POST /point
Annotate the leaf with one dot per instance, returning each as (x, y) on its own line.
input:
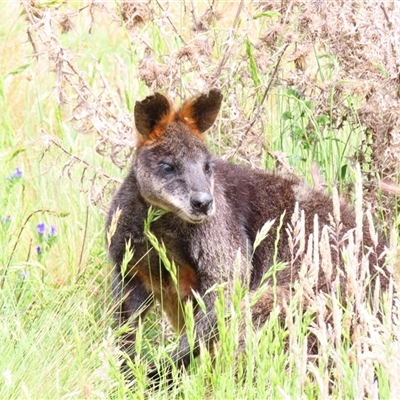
(253, 65)
(199, 301)
(16, 152)
(343, 172)
(268, 14)
(322, 119)
(287, 115)
(18, 70)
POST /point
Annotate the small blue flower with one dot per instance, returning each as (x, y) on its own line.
(299, 93)
(38, 250)
(53, 231)
(23, 274)
(17, 174)
(6, 220)
(41, 228)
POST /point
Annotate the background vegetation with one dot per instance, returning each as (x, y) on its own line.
(311, 87)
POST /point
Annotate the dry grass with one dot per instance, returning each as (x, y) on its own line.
(353, 327)
(358, 39)
(340, 57)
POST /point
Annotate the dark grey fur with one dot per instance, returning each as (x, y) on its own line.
(215, 209)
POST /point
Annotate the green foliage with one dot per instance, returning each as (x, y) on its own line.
(252, 63)
(56, 339)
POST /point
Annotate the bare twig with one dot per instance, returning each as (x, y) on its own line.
(266, 91)
(228, 47)
(81, 161)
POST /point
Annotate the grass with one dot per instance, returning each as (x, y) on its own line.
(55, 335)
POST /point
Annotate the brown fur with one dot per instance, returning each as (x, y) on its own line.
(199, 113)
(215, 210)
(170, 295)
(152, 118)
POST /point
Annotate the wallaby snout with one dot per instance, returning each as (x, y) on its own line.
(202, 202)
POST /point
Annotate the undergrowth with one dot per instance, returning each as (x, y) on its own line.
(308, 87)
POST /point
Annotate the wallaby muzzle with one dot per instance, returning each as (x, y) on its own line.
(202, 202)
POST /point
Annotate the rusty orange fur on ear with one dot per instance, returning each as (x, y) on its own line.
(159, 128)
(155, 113)
(187, 115)
(200, 112)
(152, 116)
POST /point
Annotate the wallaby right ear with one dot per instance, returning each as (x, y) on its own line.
(152, 115)
(200, 112)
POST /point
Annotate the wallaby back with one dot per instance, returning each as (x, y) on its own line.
(214, 211)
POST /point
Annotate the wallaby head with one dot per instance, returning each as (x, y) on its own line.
(173, 167)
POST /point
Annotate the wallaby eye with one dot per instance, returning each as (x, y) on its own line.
(167, 168)
(207, 168)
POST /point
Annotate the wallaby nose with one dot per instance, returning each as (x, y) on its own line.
(201, 202)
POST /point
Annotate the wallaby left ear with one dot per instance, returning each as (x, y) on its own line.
(152, 115)
(200, 112)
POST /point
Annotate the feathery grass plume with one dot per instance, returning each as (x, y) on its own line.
(152, 216)
(316, 256)
(113, 226)
(296, 234)
(325, 250)
(189, 325)
(128, 256)
(319, 328)
(262, 233)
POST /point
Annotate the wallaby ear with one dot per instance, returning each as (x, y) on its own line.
(152, 115)
(200, 112)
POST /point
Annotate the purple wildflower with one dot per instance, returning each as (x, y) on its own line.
(299, 93)
(38, 250)
(16, 174)
(41, 228)
(53, 231)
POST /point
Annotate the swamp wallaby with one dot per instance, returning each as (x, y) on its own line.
(214, 210)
